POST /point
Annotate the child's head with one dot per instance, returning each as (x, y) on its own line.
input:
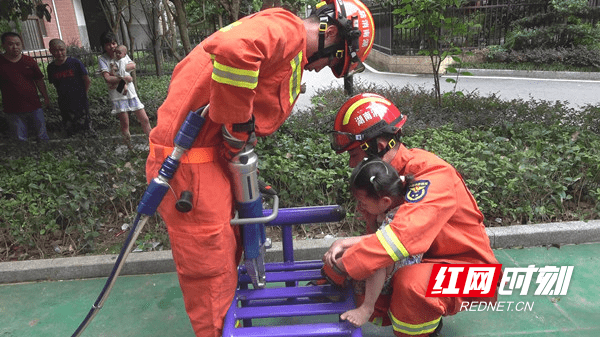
(377, 186)
(58, 49)
(120, 52)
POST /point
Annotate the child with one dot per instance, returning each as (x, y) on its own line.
(122, 104)
(72, 83)
(120, 69)
(379, 191)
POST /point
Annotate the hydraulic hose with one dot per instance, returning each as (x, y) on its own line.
(154, 194)
(138, 224)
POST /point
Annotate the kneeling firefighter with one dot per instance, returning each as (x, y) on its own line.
(249, 74)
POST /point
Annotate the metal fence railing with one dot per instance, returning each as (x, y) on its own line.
(143, 56)
(493, 18)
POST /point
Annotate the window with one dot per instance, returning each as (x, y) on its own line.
(32, 32)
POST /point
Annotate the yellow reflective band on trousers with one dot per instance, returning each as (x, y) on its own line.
(233, 76)
(391, 244)
(296, 77)
(414, 329)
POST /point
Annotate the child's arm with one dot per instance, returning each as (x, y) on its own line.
(122, 70)
(130, 64)
(373, 287)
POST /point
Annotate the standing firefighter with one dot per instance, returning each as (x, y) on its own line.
(439, 218)
(249, 74)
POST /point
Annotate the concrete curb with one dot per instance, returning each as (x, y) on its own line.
(557, 75)
(562, 233)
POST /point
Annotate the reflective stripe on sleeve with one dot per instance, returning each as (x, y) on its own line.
(296, 77)
(228, 27)
(233, 76)
(414, 329)
(391, 244)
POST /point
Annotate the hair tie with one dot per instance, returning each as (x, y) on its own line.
(402, 178)
(372, 179)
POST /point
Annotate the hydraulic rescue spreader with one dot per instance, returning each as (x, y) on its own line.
(252, 217)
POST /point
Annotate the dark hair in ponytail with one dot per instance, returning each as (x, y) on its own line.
(379, 179)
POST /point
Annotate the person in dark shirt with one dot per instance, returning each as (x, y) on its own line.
(20, 80)
(72, 83)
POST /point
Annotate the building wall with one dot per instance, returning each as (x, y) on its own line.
(63, 24)
(404, 64)
(81, 24)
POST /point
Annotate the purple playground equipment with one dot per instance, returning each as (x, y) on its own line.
(263, 301)
(288, 295)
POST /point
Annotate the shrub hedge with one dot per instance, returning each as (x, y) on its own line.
(524, 161)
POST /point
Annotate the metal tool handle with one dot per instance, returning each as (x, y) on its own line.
(244, 221)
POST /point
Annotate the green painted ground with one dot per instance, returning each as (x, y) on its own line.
(151, 305)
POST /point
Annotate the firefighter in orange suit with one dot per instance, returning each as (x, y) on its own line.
(439, 219)
(249, 75)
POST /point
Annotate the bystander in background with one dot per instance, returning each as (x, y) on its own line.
(121, 104)
(72, 83)
(20, 80)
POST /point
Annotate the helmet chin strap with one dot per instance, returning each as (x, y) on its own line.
(372, 149)
(328, 52)
(325, 15)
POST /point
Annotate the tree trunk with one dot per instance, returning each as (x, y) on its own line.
(270, 4)
(169, 30)
(131, 46)
(181, 21)
(232, 7)
(156, 45)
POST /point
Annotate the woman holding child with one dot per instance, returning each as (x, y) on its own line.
(126, 100)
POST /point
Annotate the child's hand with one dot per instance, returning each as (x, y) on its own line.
(334, 253)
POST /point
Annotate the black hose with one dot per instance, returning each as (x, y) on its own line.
(111, 278)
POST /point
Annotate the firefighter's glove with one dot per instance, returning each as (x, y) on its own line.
(236, 141)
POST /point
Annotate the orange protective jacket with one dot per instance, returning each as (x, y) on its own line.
(252, 67)
(439, 219)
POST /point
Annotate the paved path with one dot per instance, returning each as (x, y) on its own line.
(573, 89)
(152, 305)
